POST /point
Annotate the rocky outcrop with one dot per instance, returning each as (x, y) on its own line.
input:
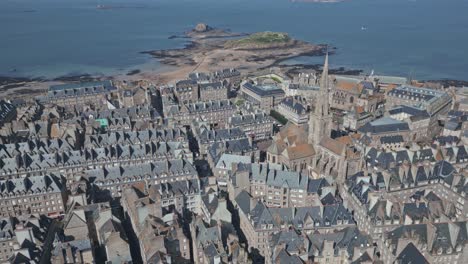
(202, 27)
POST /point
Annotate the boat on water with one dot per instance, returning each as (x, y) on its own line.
(363, 28)
(103, 7)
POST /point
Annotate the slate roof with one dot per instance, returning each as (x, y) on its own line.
(263, 90)
(315, 185)
(243, 201)
(284, 258)
(208, 136)
(389, 159)
(291, 240)
(294, 105)
(347, 239)
(415, 93)
(175, 188)
(133, 112)
(437, 236)
(6, 229)
(154, 169)
(227, 160)
(392, 139)
(248, 119)
(211, 86)
(209, 106)
(184, 84)
(80, 89)
(446, 140)
(410, 110)
(211, 201)
(60, 87)
(407, 176)
(411, 255)
(263, 217)
(6, 110)
(132, 137)
(384, 125)
(30, 185)
(278, 178)
(236, 146)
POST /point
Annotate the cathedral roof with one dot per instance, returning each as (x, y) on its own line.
(333, 145)
(300, 151)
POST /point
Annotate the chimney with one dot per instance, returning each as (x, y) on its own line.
(211, 197)
(388, 208)
(234, 166)
(373, 199)
(251, 138)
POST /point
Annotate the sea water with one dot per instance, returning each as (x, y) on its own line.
(423, 39)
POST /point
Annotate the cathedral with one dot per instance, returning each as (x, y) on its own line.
(334, 158)
(311, 150)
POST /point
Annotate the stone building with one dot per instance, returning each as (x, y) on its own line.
(435, 102)
(348, 245)
(109, 181)
(30, 233)
(346, 93)
(258, 125)
(259, 222)
(336, 159)
(79, 95)
(212, 112)
(206, 137)
(356, 118)
(7, 238)
(385, 127)
(38, 195)
(163, 242)
(216, 242)
(436, 242)
(294, 109)
(213, 91)
(273, 184)
(7, 112)
(186, 91)
(73, 243)
(112, 237)
(420, 123)
(214, 208)
(266, 95)
(291, 148)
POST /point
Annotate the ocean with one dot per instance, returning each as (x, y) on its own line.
(422, 39)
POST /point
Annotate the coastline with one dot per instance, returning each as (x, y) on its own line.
(204, 51)
(30, 87)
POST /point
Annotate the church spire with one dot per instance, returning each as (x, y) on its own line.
(320, 119)
(322, 106)
(324, 80)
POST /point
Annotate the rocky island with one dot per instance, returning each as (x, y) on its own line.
(210, 49)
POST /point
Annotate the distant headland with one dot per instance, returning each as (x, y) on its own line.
(317, 1)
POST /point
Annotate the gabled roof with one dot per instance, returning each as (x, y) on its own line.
(333, 145)
(411, 255)
(384, 125)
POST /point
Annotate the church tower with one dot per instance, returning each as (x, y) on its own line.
(320, 119)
